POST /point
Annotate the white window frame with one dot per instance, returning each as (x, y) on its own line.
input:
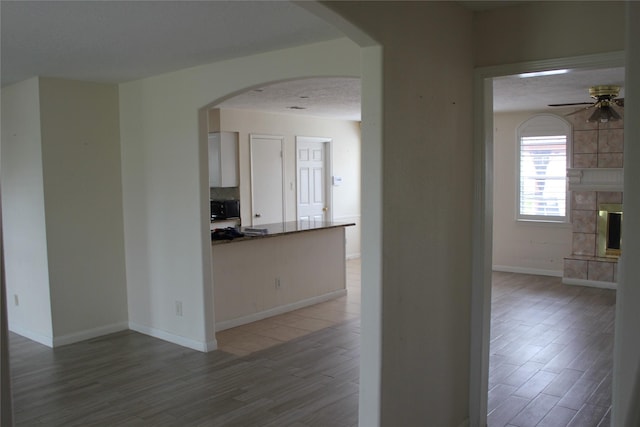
(542, 125)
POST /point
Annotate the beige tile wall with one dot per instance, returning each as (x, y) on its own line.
(595, 145)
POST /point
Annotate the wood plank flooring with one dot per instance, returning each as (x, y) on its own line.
(550, 366)
(551, 355)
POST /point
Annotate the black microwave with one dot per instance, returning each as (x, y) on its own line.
(225, 209)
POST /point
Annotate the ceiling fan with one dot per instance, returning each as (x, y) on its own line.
(605, 98)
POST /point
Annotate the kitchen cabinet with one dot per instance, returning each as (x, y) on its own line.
(223, 159)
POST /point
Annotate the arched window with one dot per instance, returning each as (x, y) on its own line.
(543, 150)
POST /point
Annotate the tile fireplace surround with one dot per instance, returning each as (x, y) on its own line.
(595, 178)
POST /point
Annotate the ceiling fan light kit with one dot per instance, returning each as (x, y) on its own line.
(605, 97)
(604, 114)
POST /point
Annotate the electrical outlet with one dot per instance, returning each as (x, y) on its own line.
(179, 308)
(16, 301)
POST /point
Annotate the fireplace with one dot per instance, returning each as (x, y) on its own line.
(595, 179)
(609, 239)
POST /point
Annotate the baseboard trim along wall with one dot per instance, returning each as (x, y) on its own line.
(589, 283)
(204, 347)
(69, 338)
(228, 324)
(89, 333)
(524, 270)
(33, 336)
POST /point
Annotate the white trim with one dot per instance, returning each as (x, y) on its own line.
(589, 283)
(483, 205)
(89, 333)
(595, 179)
(33, 336)
(526, 270)
(353, 256)
(228, 324)
(175, 339)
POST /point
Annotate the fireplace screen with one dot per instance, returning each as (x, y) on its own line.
(609, 230)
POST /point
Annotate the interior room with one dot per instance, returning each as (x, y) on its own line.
(109, 268)
(545, 292)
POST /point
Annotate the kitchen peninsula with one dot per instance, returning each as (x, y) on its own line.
(294, 265)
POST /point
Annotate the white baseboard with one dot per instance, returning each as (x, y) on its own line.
(228, 324)
(589, 283)
(33, 336)
(89, 333)
(524, 270)
(175, 339)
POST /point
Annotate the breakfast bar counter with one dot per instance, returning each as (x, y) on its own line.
(281, 228)
(293, 265)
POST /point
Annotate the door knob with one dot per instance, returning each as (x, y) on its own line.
(257, 215)
(325, 209)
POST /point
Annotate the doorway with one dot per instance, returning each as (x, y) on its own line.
(484, 223)
(312, 171)
(267, 179)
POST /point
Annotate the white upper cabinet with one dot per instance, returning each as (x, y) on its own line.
(223, 159)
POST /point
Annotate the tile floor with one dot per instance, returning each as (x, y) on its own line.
(550, 366)
(551, 354)
(246, 339)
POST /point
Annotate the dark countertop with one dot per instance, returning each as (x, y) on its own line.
(281, 228)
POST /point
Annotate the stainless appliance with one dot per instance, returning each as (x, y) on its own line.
(225, 209)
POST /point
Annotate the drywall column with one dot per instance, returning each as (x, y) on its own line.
(83, 206)
(626, 381)
(25, 244)
(427, 192)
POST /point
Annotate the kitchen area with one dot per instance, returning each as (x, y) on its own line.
(264, 267)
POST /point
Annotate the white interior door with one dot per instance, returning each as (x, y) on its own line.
(267, 180)
(311, 163)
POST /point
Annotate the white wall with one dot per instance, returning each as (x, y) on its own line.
(427, 179)
(25, 245)
(542, 30)
(520, 246)
(345, 158)
(83, 205)
(626, 368)
(164, 186)
(63, 210)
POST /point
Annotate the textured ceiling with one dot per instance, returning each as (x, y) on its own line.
(514, 93)
(318, 97)
(118, 41)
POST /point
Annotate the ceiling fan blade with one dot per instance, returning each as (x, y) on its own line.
(567, 105)
(619, 102)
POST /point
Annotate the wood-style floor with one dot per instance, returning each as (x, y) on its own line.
(551, 353)
(550, 366)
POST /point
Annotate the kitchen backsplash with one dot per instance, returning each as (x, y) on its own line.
(224, 193)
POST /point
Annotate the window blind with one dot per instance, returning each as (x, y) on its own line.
(543, 164)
